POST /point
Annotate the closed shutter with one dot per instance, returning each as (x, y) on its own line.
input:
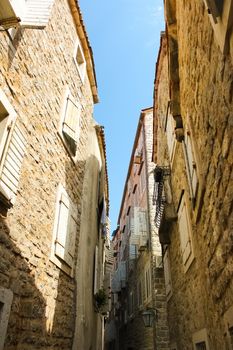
(70, 126)
(191, 166)
(96, 270)
(37, 13)
(167, 274)
(184, 232)
(13, 153)
(62, 227)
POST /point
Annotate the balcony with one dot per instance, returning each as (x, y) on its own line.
(165, 213)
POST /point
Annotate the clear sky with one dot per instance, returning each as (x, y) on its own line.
(124, 36)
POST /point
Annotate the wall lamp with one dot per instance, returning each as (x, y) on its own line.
(149, 316)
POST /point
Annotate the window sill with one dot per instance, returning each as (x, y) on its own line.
(62, 266)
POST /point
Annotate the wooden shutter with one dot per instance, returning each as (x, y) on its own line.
(170, 131)
(13, 153)
(191, 166)
(62, 227)
(167, 274)
(184, 232)
(71, 124)
(37, 13)
(96, 270)
(71, 238)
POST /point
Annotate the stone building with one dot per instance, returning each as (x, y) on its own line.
(53, 180)
(193, 130)
(138, 283)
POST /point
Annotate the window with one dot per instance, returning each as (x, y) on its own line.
(167, 274)
(27, 13)
(12, 148)
(147, 283)
(69, 127)
(79, 60)
(185, 234)
(201, 340)
(220, 13)
(228, 321)
(6, 297)
(191, 166)
(64, 234)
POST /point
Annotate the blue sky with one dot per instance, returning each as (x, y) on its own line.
(124, 36)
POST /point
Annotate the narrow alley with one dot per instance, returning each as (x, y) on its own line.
(81, 269)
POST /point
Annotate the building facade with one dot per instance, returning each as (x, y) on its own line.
(53, 180)
(138, 283)
(193, 114)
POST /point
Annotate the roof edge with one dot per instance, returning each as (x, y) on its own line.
(82, 34)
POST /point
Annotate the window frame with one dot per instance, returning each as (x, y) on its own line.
(228, 323)
(199, 337)
(82, 71)
(58, 261)
(68, 96)
(6, 297)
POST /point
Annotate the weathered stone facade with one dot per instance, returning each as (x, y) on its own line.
(53, 305)
(193, 136)
(137, 248)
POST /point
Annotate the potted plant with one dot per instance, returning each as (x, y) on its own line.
(100, 300)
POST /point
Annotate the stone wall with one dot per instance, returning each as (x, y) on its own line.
(202, 294)
(36, 67)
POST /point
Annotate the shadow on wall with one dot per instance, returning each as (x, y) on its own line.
(27, 318)
(71, 305)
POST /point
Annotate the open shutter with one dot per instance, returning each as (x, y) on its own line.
(37, 13)
(184, 232)
(191, 166)
(15, 145)
(96, 270)
(71, 236)
(62, 227)
(167, 274)
(71, 124)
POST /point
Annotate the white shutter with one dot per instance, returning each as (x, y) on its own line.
(167, 274)
(96, 271)
(70, 126)
(62, 227)
(184, 232)
(71, 237)
(12, 161)
(37, 13)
